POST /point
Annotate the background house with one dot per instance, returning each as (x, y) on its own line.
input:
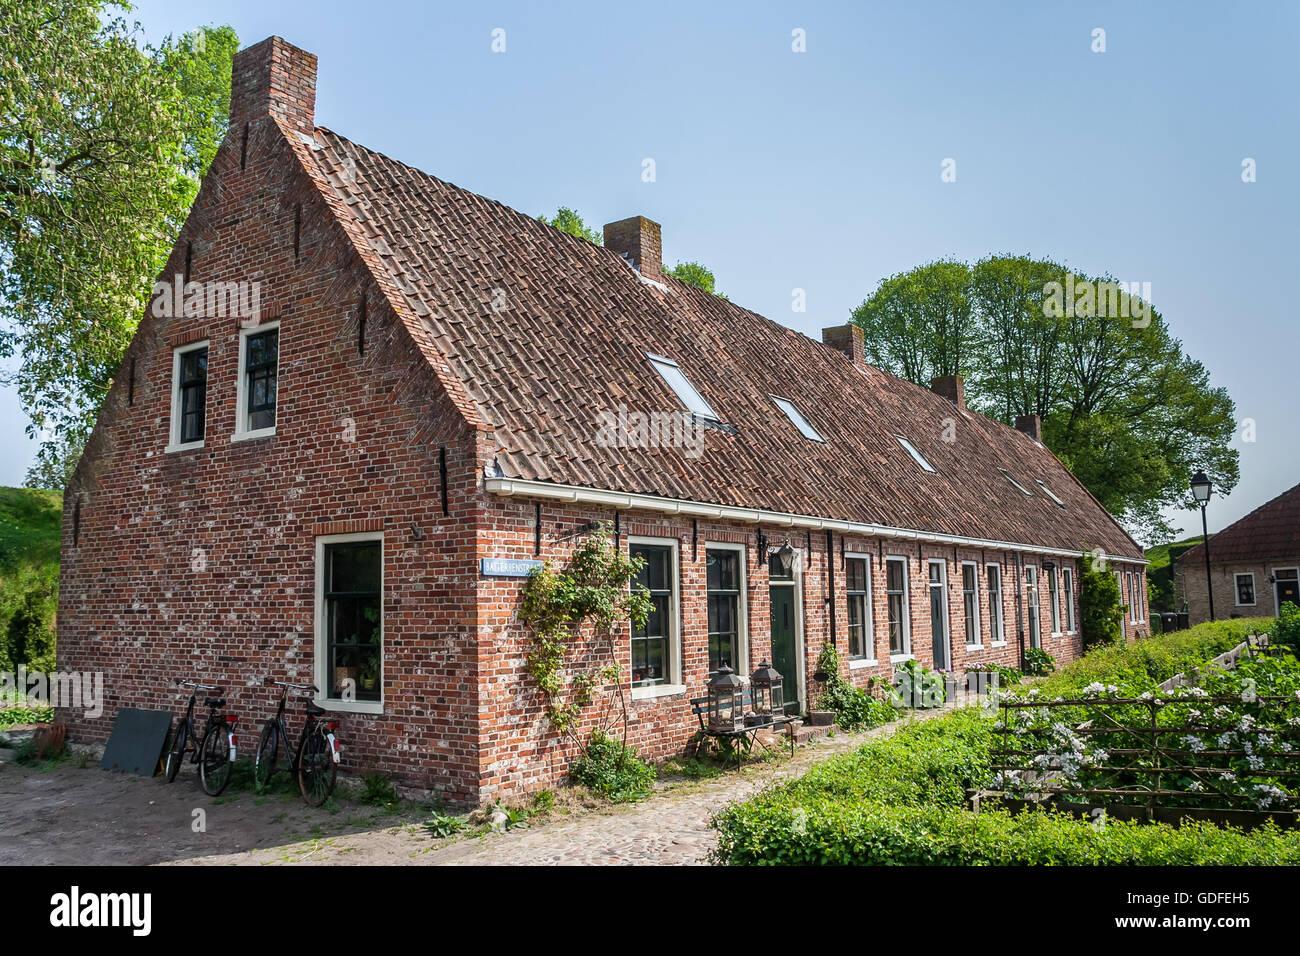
(1254, 564)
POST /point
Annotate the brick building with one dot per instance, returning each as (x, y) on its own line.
(1254, 564)
(338, 479)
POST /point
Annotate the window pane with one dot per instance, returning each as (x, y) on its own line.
(857, 574)
(723, 570)
(354, 625)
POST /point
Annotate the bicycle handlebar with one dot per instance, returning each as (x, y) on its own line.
(189, 683)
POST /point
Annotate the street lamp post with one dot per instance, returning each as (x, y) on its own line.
(1201, 489)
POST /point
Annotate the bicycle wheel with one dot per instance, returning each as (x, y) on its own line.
(316, 770)
(214, 760)
(176, 755)
(268, 751)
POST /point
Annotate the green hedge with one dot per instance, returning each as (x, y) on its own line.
(902, 800)
(1140, 666)
(827, 832)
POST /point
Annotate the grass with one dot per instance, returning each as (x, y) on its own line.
(1160, 572)
(30, 531)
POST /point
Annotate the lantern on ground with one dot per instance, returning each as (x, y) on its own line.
(726, 701)
(766, 693)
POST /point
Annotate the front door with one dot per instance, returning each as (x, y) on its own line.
(1288, 587)
(785, 657)
(939, 615)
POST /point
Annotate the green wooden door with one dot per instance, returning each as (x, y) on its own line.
(784, 656)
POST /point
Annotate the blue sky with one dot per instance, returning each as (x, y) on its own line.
(821, 170)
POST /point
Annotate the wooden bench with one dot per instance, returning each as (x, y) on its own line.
(745, 735)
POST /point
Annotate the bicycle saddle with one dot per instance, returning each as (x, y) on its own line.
(313, 710)
(215, 702)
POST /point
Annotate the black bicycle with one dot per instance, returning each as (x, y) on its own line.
(214, 751)
(315, 758)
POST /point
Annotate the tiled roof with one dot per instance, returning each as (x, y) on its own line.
(1270, 531)
(545, 332)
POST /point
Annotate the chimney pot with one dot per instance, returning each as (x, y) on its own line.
(641, 240)
(951, 387)
(847, 339)
(274, 77)
(1031, 425)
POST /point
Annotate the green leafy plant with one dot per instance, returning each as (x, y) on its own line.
(1038, 662)
(1007, 676)
(543, 801)
(593, 591)
(442, 825)
(854, 708)
(377, 790)
(1286, 629)
(1101, 615)
(612, 769)
(918, 686)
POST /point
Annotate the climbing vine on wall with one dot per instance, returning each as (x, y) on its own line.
(593, 592)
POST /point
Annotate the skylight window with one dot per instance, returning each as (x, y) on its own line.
(795, 416)
(1023, 490)
(911, 450)
(679, 383)
(1048, 491)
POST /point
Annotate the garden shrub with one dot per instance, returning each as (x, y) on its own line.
(854, 709)
(1038, 662)
(1286, 629)
(613, 770)
(1142, 665)
(1101, 613)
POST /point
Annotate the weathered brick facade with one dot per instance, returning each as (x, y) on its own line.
(202, 562)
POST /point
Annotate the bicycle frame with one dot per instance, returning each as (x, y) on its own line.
(310, 726)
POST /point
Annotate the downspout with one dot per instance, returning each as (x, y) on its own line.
(1020, 611)
(830, 578)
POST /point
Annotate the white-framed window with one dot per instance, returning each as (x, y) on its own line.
(1054, 596)
(797, 419)
(898, 605)
(189, 397)
(1048, 491)
(350, 622)
(997, 614)
(940, 618)
(1246, 589)
(656, 644)
(862, 636)
(1031, 593)
(970, 596)
(727, 611)
(1023, 490)
(676, 379)
(1069, 600)
(916, 455)
(259, 372)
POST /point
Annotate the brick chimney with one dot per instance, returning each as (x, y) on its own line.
(848, 339)
(639, 239)
(274, 77)
(1031, 425)
(951, 387)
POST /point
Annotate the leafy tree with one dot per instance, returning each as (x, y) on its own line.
(692, 273)
(918, 324)
(1101, 615)
(567, 220)
(1122, 405)
(103, 141)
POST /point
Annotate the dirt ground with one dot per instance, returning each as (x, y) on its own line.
(74, 813)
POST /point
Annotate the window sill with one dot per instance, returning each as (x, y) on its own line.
(254, 435)
(998, 644)
(974, 647)
(899, 658)
(177, 449)
(352, 706)
(659, 690)
(859, 663)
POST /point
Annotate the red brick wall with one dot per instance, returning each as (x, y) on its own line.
(202, 563)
